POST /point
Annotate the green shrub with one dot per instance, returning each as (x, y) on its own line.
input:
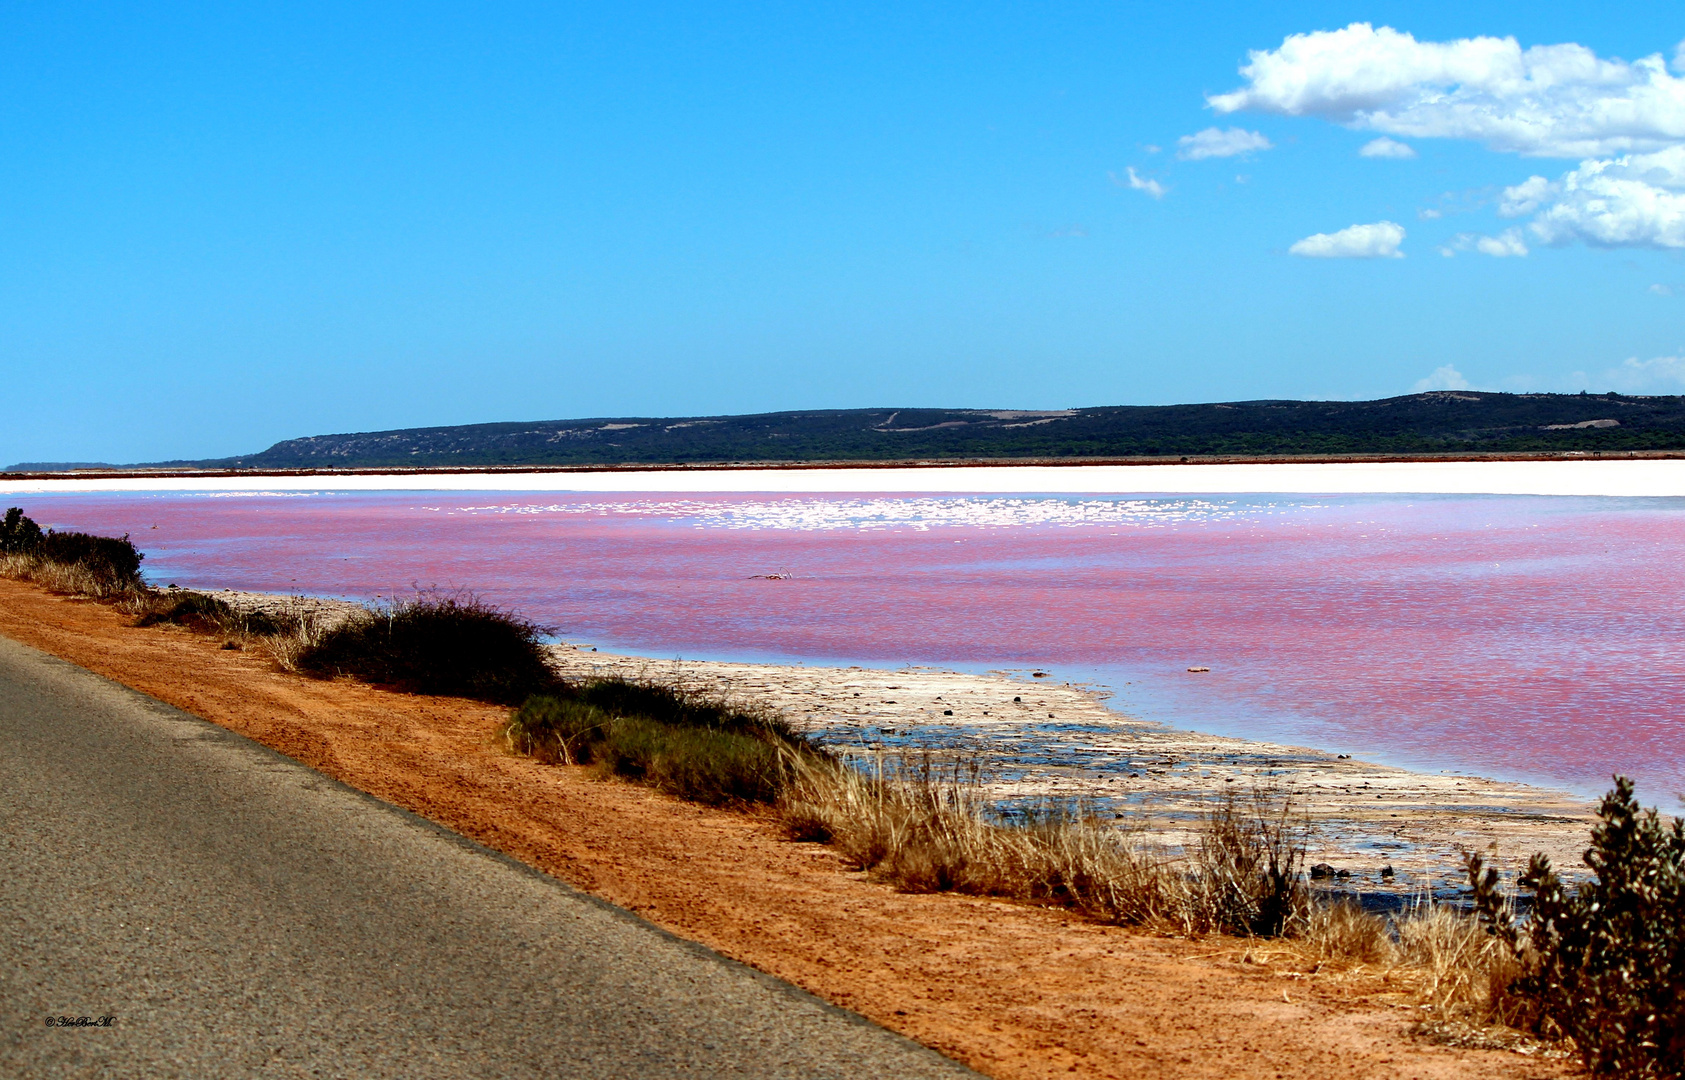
(1604, 963)
(113, 559)
(204, 613)
(556, 730)
(687, 746)
(456, 645)
(18, 534)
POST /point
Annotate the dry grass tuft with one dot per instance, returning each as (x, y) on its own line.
(925, 827)
(67, 579)
(1463, 972)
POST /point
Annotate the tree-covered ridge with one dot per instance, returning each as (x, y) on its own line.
(1447, 422)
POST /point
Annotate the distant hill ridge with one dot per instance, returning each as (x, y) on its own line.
(1441, 421)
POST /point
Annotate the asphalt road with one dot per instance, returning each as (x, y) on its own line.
(241, 915)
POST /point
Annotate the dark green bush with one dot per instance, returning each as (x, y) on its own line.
(454, 645)
(205, 613)
(1604, 962)
(678, 743)
(113, 559)
(18, 533)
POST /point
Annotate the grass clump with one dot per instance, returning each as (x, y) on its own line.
(924, 828)
(457, 646)
(205, 613)
(1603, 964)
(688, 746)
(73, 563)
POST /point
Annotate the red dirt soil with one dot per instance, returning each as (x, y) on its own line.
(1014, 991)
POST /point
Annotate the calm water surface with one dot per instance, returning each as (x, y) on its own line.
(1525, 637)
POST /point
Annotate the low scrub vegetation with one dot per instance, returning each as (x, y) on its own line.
(108, 569)
(927, 828)
(1597, 969)
(457, 646)
(72, 563)
(692, 747)
(205, 613)
(1603, 963)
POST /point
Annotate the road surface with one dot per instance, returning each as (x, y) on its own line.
(238, 914)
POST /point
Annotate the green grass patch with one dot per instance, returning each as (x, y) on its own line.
(688, 746)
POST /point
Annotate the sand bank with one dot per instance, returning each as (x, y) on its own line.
(1622, 477)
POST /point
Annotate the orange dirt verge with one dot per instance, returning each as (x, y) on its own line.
(1014, 991)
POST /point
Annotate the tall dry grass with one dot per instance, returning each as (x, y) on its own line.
(67, 579)
(925, 826)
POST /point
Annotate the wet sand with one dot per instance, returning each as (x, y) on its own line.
(1043, 738)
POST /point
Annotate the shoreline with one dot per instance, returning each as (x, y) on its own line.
(1636, 474)
(1062, 743)
(1040, 740)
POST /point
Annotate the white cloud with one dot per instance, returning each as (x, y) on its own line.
(1443, 378)
(1386, 148)
(1215, 143)
(1506, 244)
(1139, 183)
(1525, 197)
(1632, 201)
(1545, 101)
(1662, 290)
(1430, 214)
(1377, 241)
(1662, 373)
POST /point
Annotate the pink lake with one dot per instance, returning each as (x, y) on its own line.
(1532, 638)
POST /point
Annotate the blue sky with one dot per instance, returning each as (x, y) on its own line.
(220, 228)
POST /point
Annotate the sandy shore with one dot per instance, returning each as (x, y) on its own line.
(1041, 738)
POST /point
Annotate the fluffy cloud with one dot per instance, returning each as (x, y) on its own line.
(1443, 378)
(1215, 143)
(1377, 241)
(1506, 244)
(1386, 148)
(1545, 101)
(1525, 197)
(1632, 201)
(1139, 183)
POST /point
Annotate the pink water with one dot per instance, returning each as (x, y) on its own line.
(1521, 637)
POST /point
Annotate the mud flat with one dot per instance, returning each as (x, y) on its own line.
(1038, 738)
